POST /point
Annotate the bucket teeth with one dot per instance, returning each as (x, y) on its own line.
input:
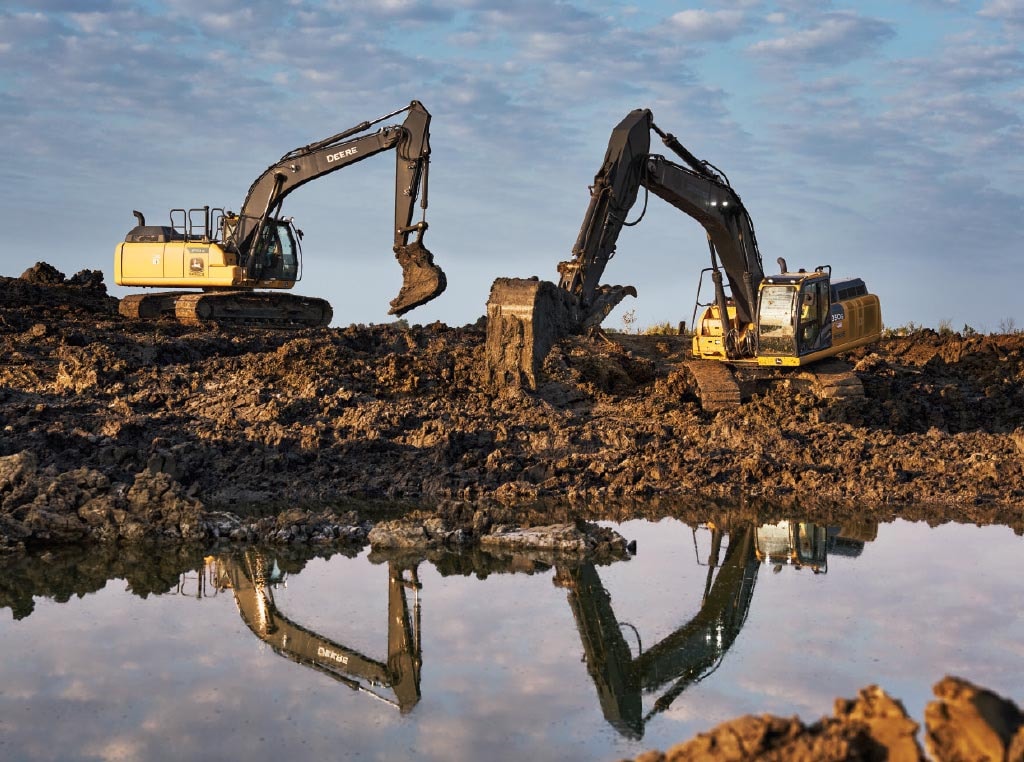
(422, 280)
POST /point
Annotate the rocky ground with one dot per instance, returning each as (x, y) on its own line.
(129, 430)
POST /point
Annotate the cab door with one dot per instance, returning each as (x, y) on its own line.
(814, 327)
(278, 253)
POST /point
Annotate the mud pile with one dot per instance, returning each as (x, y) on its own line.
(964, 722)
(106, 422)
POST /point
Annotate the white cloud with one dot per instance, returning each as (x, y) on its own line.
(833, 38)
(1010, 11)
(702, 25)
(965, 63)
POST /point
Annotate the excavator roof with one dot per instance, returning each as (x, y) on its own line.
(793, 279)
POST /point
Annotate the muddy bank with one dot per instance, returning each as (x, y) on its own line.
(156, 426)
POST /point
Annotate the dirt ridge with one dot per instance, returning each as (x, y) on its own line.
(332, 418)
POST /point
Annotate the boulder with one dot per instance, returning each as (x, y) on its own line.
(966, 722)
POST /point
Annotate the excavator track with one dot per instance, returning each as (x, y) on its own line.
(833, 379)
(716, 385)
(719, 388)
(259, 308)
(148, 306)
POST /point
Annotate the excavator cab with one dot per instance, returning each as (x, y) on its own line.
(793, 543)
(793, 317)
(277, 254)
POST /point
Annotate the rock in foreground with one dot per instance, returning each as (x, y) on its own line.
(964, 723)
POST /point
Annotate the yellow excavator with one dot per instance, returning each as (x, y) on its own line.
(796, 320)
(229, 256)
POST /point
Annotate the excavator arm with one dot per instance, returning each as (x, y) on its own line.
(612, 195)
(422, 280)
(681, 659)
(698, 190)
(401, 674)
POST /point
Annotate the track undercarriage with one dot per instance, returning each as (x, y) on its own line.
(720, 386)
(238, 307)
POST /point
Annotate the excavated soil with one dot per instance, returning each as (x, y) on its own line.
(108, 422)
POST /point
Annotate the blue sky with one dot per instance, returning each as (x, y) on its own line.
(884, 139)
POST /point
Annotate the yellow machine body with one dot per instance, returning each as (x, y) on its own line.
(177, 264)
(801, 318)
(184, 264)
(188, 255)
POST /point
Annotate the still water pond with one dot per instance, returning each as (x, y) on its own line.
(264, 656)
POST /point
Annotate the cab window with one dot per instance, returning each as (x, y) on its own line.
(813, 330)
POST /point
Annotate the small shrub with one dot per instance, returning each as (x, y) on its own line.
(661, 329)
(628, 319)
(901, 330)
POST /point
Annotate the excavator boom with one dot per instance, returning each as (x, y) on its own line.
(698, 191)
(400, 674)
(422, 280)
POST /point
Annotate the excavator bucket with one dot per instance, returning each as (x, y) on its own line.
(422, 280)
(525, 318)
(528, 316)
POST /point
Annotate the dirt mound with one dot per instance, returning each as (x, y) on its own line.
(964, 722)
(323, 417)
(44, 297)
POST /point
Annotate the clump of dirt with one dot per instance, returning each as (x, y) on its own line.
(245, 418)
(964, 722)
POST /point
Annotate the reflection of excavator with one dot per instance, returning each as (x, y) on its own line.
(252, 577)
(229, 255)
(765, 322)
(696, 649)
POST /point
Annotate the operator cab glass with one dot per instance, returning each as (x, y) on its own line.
(794, 318)
(814, 331)
(278, 251)
(775, 320)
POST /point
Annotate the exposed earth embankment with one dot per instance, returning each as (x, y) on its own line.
(117, 429)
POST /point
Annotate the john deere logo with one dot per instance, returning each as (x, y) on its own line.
(196, 266)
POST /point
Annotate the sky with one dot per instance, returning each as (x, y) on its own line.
(881, 138)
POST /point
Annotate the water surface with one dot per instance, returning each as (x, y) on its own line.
(266, 655)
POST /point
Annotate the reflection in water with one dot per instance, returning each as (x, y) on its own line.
(609, 661)
(252, 577)
(696, 649)
(686, 656)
